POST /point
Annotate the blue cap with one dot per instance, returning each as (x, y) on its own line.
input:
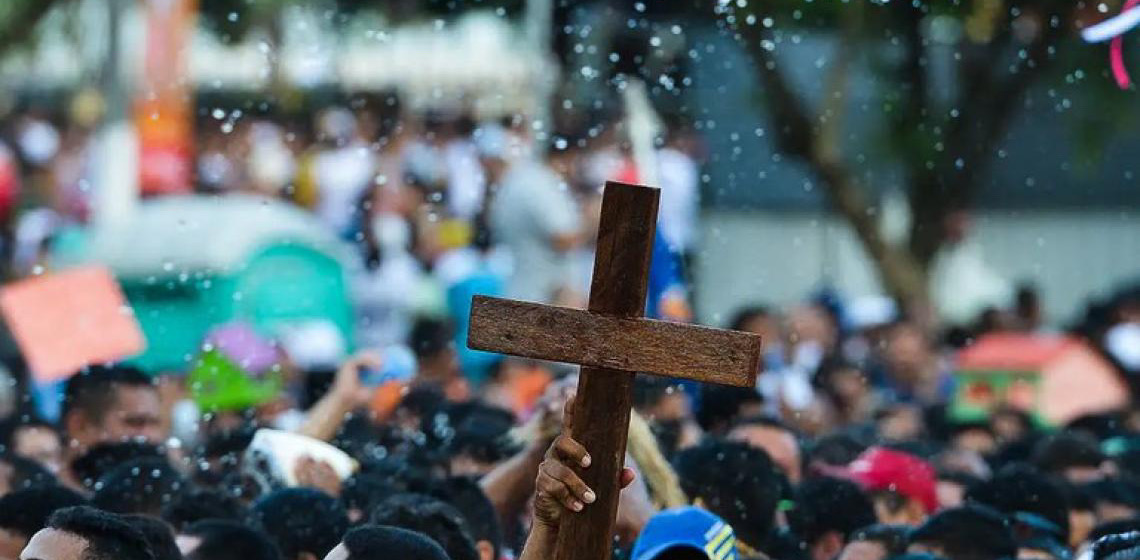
(686, 527)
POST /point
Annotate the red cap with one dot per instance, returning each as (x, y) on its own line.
(880, 468)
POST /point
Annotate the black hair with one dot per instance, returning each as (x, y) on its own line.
(196, 504)
(362, 492)
(92, 390)
(465, 494)
(648, 390)
(432, 517)
(27, 511)
(970, 532)
(430, 336)
(1123, 491)
(892, 501)
(102, 458)
(223, 539)
(158, 535)
(12, 425)
(1022, 489)
(108, 536)
(139, 486)
(376, 542)
(747, 314)
(26, 473)
(1100, 426)
(301, 520)
(477, 431)
(1064, 450)
(837, 450)
(735, 481)
(893, 538)
(1117, 546)
(824, 505)
(721, 404)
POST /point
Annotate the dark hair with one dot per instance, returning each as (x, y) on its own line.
(1123, 491)
(27, 511)
(373, 542)
(196, 504)
(479, 432)
(893, 538)
(891, 500)
(158, 536)
(837, 450)
(747, 314)
(430, 336)
(721, 404)
(432, 517)
(1022, 489)
(648, 390)
(824, 505)
(223, 539)
(465, 494)
(970, 532)
(735, 481)
(101, 459)
(108, 536)
(301, 520)
(139, 486)
(26, 473)
(1066, 450)
(92, 390)
(362, 492)
(11, 426)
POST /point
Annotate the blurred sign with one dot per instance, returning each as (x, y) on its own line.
(70, 319)
(165, 106)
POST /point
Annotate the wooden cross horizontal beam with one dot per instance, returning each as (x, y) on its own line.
(633, 345)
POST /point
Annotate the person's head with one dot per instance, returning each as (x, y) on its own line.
(1022, 491)
(776, 439)
(970, 532)
(479, 440)
(721, 406)
(35, 439)
(1075, 456)
(876, 542)
(827, 511)
(141, 486)
(17, 472)
(100, 459)
(1010, 424)
(952, 487)
(736, 482)
(902, 486)
(844, 382)
(224, 539)
(159, 536)
(434, 518)
(85, 533)
(1082, 513)
(377, 542)
(433, 342)
(305, 524)
(685, 533)
(362, 492)
(1115, 499)
(465, 494)
(24, 512)
(111, 404)
(198, 504)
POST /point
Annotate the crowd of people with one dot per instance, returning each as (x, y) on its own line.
(846, 449)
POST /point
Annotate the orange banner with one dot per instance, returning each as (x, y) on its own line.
(164, 108)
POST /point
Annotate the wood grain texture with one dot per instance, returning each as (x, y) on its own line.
(601, 409)
(633, 345)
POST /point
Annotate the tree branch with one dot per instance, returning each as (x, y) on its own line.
(21, 20)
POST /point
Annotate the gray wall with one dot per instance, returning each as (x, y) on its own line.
(780, 258)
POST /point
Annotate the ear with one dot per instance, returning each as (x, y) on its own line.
(486, 550)
(828, 546)
(76, 424)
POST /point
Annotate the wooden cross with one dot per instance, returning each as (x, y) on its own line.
(612, 342)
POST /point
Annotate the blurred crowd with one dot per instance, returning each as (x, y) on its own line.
(847, 449)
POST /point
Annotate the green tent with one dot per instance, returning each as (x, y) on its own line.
(187, 263)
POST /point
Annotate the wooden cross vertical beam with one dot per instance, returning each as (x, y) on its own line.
(612, 343)
(601, 410)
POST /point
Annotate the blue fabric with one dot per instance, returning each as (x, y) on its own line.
(476, 365)
(664, 275)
